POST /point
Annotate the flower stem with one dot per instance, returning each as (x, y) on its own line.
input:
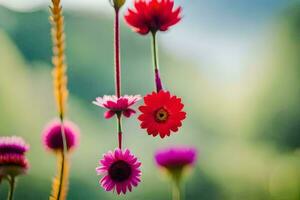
(63, 157)
(12, 184)
(117, 54)
(176, 193)
(118, 71)
(119, 131)
(158, 82)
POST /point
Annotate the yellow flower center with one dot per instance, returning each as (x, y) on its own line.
(161, 115)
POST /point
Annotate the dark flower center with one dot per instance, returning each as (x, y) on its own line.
(161, 115)
(119, 171)
(155, 24)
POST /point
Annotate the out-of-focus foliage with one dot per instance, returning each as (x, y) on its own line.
(248, 134)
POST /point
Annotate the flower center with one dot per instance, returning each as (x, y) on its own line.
(119, 171)
(161, 115)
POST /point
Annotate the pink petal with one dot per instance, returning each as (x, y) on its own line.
(119, 188)
(127, 113)
(108, 114)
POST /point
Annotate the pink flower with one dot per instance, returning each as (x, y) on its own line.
(176, 157)
(12, 156)
(117, 105)
(14, 144)
(13, 164)
(121, 171)
(52, 136)
(176, 160)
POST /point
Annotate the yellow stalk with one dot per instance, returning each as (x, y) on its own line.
(59, 71)
(60, 181)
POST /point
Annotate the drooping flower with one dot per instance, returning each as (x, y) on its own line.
(176, 157)
(161, 113)
(117, 105)
(13, 145)
(120, 170)
(152, 15)
(52, 135)
(13, 164)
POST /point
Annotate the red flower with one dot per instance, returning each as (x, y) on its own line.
(161, 114)
(152, 15)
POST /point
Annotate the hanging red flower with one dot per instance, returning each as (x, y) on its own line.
(152, 15)
(161, 114)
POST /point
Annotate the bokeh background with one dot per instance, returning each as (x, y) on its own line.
(236, 65)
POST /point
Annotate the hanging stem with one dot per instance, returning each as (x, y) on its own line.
(63, 157)
(119, 131)
(12, 184)
(117, 54)
(118, 72)
(176, 191)
(158, 82)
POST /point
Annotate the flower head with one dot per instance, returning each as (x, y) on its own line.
(14, 145)
(52, 135)
(121, 171)
(13, 164)
(12, 156)
(117, 105)
(152, 15)
(176, 157)
(161, 113)
(175, 160)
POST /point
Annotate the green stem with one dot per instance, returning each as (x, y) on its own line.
(158, 82)
(154, 49)
(12, 184)
(176, 191)
(119, 130)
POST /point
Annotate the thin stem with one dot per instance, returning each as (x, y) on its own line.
(176, 191)
(158, 82)
(118, 72)
(119, 131)
(117, 54)
(63, 157)
(12, 184)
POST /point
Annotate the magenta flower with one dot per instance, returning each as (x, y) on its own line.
(12, 156)
(13, 145)
(176, 158)
(121, 171)
(52, 135)
(117, 105)
(13, 164)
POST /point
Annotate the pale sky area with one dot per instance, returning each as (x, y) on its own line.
(210, 33)
(25, 5)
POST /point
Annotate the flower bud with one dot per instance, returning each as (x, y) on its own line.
(117, 4)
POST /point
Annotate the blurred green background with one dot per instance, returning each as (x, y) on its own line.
(235, 64)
